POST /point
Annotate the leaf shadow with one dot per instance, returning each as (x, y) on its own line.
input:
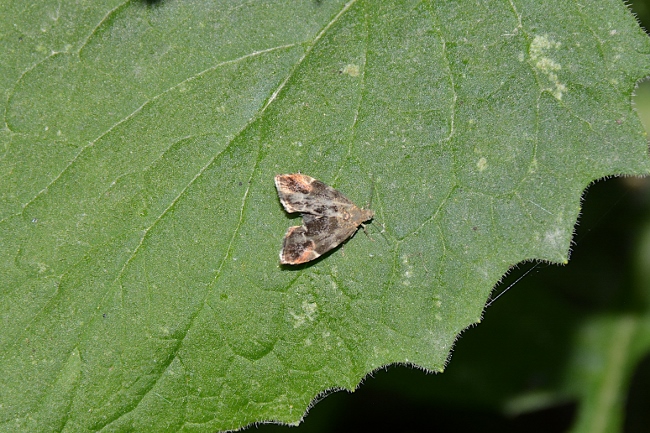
(151, 3)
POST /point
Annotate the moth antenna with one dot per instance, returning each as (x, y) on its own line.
(372, 190)
(372, 193)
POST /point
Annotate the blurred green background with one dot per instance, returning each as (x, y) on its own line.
(566, 349)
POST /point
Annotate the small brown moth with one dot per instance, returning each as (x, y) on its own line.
(328, 217)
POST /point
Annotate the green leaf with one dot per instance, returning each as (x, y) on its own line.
(140, 226)
(561, 341)
(566, 346)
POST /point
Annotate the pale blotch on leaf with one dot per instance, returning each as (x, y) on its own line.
(308, 313)
(408, 272)
(556, 239)
(481, 164)
(351, 70)
(540, 50)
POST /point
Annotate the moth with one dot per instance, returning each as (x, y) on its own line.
(328, 217)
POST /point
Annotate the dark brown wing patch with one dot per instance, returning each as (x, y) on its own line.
(302, 193)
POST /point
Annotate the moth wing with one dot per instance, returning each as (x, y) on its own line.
(316, 236)
(302, 193)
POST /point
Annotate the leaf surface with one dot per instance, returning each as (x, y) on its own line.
(140, 226)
